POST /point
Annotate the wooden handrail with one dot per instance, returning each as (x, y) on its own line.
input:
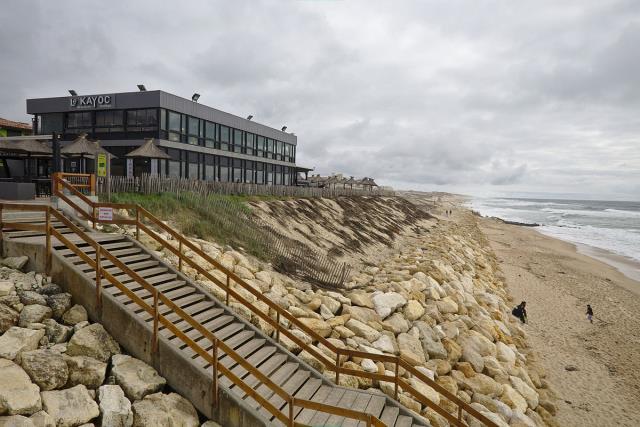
(160, 297)
(332, 364)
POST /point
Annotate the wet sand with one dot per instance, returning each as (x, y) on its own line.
(558, 282)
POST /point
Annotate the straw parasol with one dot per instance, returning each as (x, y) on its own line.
(31, 147)
(82, 147)
(148, 150)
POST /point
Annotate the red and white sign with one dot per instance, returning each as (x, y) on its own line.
(105, 214)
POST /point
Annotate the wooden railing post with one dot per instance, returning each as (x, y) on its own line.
(93, 216)
(154, 346)
(92, 184)
(337, 366)
(99, 277)
(227, 290)
(180, 257)
(48, 241)
(395, 391)
(459, 413)
(291, 403)
(214, 365)
(137, 223)
(278, 327)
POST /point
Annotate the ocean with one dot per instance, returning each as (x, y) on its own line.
(609, 226)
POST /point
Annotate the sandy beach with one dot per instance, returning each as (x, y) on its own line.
(594, 368)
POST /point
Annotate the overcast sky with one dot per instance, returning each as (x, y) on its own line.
(480, 97)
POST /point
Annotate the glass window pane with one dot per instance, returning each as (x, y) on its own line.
(225, 136)
(174, 121)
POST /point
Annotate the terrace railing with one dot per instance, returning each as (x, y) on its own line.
(141, 221)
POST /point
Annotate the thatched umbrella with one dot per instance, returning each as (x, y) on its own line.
(82, 147)
(350, 181)
(30, 147)
(149, 150)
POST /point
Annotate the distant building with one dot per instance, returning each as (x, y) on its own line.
(11, 128)
(202, 142)
(339, 181)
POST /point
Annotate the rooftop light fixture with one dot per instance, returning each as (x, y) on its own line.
(195, 97)
(284, 128)
(249, 117)
(73, 92)
(141, 88)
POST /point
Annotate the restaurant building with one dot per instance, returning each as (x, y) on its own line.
(202, 142)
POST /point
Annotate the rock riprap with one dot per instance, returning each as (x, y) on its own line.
(18, 395)
(136, 378)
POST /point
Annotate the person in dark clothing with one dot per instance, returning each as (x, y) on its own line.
(521, 312)
(589, 313)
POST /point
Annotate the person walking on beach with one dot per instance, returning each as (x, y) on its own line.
(521, 312)
(589, 313)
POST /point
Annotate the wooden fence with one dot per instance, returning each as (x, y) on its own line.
(150, 184)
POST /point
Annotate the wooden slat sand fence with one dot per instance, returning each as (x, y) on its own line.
(150, 184)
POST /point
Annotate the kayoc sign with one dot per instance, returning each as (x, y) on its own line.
(92, 101)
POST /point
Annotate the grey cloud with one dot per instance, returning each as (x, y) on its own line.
(458, 95)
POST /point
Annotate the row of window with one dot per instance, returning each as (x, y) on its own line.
(169, 125)
(192, 165)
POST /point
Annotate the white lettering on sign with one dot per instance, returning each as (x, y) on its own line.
(105, 214)
(91, 101)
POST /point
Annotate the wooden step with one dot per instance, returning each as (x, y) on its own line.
(404, 421)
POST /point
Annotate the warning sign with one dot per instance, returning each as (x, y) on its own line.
(102, 164)
(105, 214)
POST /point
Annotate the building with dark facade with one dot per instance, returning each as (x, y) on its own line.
(202, 142)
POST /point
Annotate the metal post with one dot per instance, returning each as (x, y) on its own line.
(180, 256)
(47, 225)
(214, 365)
(154, 347)
(98, 277)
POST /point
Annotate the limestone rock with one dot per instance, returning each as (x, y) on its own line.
(513, 398)
(85, 370)
(93, 341)
(42, 419)
(396, 323)
(50, 289)
(8, 318)
(518, 419)
(386, 344)
(16, 421)
(413, 310)
(32, 297)
(425, 390)
(164, 410)
(411, 349)
(362, 314)
(484, 384)
(115, 408)
(361, 299)
(15, 262)
(75, 315)
(136, 378)
(57, 333)
(505, 353)
(18, 395)
(386, 303)
(46, 368)
(70, 407)
(362, 330)
(318, 325)
(529, 394)
(59, 303)
(16, 340)
(447, 305)
(33, 313)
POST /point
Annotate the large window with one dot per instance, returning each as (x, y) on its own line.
(109, 121)
(224, 169)
(49, 123)
(261, 146)
(237, 141)
(271, 148)
(259, 173)
(193, 165)
(209, 168)
(237, 171)
(194, 130)
(175, 126)
(210, 134)
(142, 120)
(225, 138)
(250, 144)
(174, 163)
(248, 171)
(81, 121)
